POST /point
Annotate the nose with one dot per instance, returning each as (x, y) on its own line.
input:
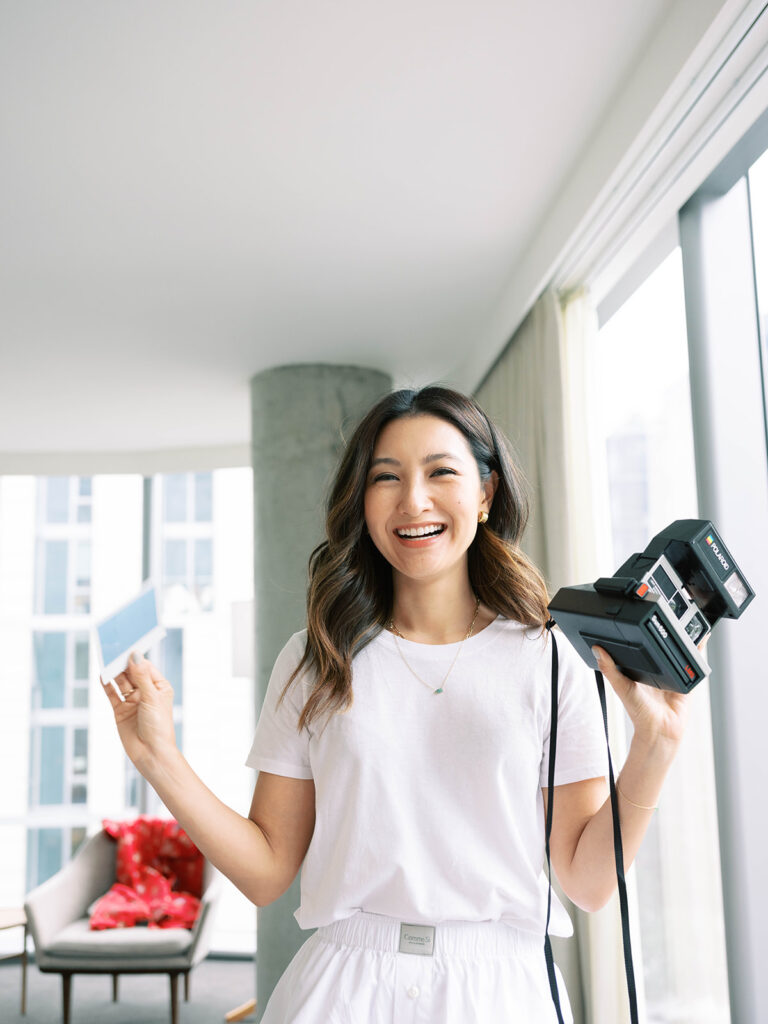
(414, 498)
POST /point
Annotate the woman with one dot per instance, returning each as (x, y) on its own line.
(402, 746)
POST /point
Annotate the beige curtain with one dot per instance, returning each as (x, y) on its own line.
(540, 394)
(524, 395)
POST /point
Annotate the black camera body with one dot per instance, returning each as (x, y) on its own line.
(652, 614)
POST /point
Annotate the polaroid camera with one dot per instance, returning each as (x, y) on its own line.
(652, 614)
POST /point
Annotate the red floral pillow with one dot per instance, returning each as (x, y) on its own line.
(159, 877)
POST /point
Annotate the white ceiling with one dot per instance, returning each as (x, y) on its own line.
(194, 192)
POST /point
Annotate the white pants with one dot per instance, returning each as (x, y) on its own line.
(352, 972)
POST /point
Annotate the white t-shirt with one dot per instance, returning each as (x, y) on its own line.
(429, 806)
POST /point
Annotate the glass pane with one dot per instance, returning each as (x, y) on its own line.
(175, 560)
(77, 838)
(758, 197)
(55, 599)
(173, 651)
(203, 561)
(57, 499)
(81, 657)
(627, 451)
(49, 853)
(50, 668)
(79, 793)
(83, 513)
(203, 497)
(84, 488)
(51, 764)
(80, 752)
(758, 200)
(647, 414)
(175, 497)
(83, 563)
(643, 381)
(131, 785)
(80, 697)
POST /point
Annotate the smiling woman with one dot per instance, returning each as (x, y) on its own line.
(418, 820)
(415, 451)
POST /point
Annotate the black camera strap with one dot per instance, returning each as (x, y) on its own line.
(548, 825)
(618, 848)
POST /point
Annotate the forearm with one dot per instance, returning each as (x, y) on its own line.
(591, 875)
(233, 843)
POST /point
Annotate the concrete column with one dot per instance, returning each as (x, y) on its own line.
(300, 416)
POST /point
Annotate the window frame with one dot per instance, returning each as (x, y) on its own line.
(726, 342)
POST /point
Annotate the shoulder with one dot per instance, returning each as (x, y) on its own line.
(525, 640)
(296, 643)
(289, 658)
(534, 645)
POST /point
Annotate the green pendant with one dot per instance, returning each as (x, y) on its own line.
(438, 690)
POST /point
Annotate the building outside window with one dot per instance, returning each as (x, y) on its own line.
(59, 691)
(71, 552)
(642, 370)
(184, 530)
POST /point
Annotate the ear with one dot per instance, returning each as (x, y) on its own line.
(489, 489)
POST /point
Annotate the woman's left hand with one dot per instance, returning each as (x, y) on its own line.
(657, 715)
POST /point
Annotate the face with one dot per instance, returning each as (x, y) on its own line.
(423, 495)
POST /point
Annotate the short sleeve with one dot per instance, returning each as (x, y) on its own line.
(278, 746)
(581, 748)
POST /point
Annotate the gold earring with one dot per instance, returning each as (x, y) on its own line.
(482, 517)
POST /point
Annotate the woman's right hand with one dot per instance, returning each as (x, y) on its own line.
(144, 716)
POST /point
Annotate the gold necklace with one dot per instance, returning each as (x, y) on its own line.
(396, 633)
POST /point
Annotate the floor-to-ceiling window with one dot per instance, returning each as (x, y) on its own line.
(72, 549)
(643, 376)
(59, 693)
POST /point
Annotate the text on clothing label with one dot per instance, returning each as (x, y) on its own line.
(418, 939)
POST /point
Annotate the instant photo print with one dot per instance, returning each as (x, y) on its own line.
(133, 627)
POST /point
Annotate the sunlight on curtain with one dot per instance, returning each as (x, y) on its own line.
(541, 395)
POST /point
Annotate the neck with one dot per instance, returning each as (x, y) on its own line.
(434, 611)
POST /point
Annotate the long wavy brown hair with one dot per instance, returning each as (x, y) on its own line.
(349, 600)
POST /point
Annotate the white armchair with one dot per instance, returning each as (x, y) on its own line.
(57, 912)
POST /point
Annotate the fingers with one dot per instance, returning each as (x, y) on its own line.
(140, 674)
(112, 694)
(123, 684)
(139, 680)
(604, 661)
(155, 673)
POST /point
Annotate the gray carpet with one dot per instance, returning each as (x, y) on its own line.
(216, 986)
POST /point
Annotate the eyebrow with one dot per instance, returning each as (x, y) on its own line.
(425, 461)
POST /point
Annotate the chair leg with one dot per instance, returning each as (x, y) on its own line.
(174, 978)
(66, 991)
(114, 987)
(186, 986)
(24, 976)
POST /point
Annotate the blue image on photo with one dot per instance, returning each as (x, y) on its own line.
(122, 630)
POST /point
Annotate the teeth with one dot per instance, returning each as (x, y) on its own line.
(419, 531)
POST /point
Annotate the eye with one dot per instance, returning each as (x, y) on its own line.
(443, 471)
(383, 477)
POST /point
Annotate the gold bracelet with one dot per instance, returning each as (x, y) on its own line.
(640, 807)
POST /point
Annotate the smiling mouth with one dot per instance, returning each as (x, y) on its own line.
(413, 532)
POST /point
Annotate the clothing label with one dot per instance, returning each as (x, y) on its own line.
(418, 939)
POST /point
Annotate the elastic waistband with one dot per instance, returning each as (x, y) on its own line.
(464, 939)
